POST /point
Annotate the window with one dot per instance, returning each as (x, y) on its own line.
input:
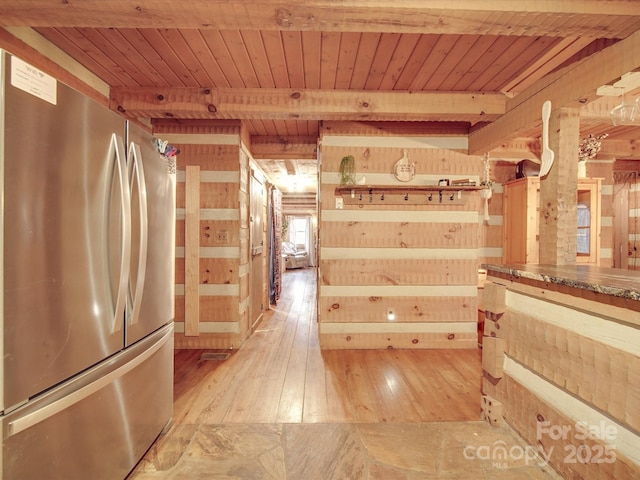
(299, 232)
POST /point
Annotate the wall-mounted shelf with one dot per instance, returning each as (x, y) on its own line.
(404, 195)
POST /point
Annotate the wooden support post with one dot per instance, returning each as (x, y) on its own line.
(492, 411)
(192, 252)
(558, 191)
(495, 298)
(493, 356)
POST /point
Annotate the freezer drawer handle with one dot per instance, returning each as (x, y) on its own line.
(27, 421)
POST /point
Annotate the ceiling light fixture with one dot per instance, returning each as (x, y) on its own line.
(626, 113)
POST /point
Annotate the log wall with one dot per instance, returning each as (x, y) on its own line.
(564, 374)
(418, 261)
(221, 247)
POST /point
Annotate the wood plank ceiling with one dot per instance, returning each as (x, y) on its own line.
(459, 62)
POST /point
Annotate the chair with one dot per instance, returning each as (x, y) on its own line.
(294, 258)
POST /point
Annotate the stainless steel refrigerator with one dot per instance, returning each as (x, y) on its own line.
(88, 235)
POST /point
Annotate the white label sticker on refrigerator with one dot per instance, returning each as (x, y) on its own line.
(33, 81)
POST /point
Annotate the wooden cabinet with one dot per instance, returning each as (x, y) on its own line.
(521, 217)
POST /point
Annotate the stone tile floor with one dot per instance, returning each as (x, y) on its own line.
(381, 451)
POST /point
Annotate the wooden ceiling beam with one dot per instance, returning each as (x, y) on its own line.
(572, 87)
(305, 104)
(587, 18)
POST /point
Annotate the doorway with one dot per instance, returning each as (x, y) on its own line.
(256, 262)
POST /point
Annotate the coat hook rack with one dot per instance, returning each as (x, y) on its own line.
(397, 195)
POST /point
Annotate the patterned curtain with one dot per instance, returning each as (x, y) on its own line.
(275, 238)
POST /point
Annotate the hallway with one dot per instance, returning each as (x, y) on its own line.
(268, 409)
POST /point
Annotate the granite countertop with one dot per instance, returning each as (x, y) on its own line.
(608, 281)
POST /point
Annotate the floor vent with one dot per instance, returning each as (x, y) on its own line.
(214, 356)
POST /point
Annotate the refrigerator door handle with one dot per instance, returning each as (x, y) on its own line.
(125, 248)
(137, 175)
(29, 420)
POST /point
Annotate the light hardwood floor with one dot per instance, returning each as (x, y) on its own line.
(281, 409)
(280, 375)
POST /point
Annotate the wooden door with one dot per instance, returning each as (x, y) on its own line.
(257, 268)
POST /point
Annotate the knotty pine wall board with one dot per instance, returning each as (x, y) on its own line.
(212, 270)
(214, 308)
(211, 158)
(398, 340)
(408, 309)
(418, 260)
(399, 234)
(525, 411)
(585, 354)
(596, 372)
(571, 356)
(223, 244)
(414, 271)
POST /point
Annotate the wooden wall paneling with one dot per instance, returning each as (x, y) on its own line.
(219, 195)
(380, 160)
(366, 341)
(414, 271)
(373, 309)
(212, 308)
(530, 415)
(596, 372)
(419, 261)
(221, 271)
(209, 157)
(214, 341)
(400, 235)
(219, 233)
(192, 250)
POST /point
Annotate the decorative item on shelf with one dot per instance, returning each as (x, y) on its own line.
(546, 157)
(404, 170)
(588, 149)
(487, 192)
(348, 170)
